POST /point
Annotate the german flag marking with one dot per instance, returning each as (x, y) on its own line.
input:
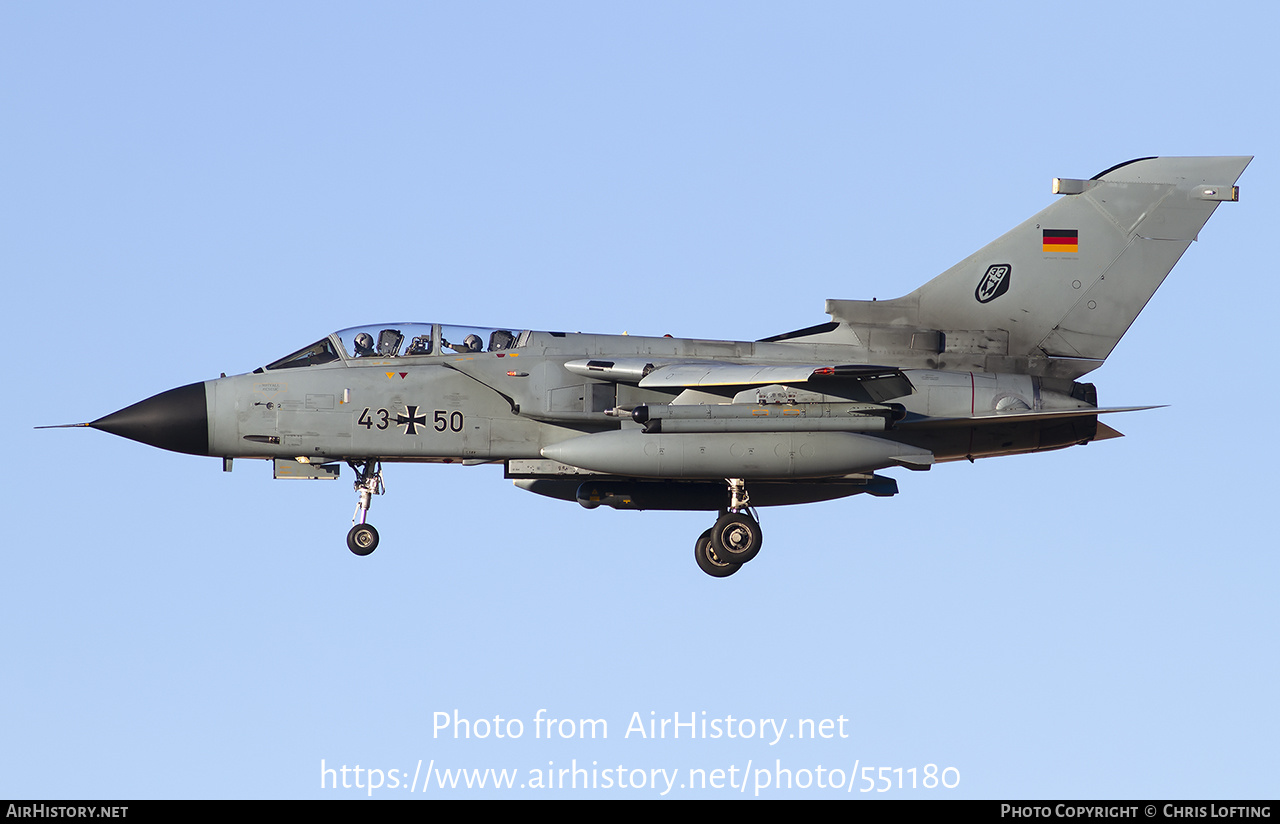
(1061, 240)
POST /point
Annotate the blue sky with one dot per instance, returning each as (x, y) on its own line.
(195, 190)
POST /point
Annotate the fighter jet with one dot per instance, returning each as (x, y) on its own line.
(981, 361)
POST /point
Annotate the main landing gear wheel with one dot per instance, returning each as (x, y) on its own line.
(736, 537)
(362, 539)
(709, 561)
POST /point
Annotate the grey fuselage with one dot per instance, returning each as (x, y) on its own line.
(512, 404)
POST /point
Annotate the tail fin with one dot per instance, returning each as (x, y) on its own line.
(1068, 282)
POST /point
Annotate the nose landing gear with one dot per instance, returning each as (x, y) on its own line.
(363, 538)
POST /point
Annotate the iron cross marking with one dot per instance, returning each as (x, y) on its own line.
(411, 420)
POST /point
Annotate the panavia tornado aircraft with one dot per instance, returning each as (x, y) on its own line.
(978, 362)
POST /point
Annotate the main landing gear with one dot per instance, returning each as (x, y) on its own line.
(363, 538)
(733, 540)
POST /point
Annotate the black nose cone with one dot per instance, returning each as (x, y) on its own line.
(177, 420)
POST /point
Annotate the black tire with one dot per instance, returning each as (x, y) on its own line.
(707, 559)
(362, 539)
(736, 538)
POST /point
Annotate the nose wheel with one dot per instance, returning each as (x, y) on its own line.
(362, 539)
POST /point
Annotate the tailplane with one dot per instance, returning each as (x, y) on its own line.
(1055, 294)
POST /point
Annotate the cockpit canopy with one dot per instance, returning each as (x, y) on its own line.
(402, 340)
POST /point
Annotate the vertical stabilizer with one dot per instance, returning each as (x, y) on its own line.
(1069, 282)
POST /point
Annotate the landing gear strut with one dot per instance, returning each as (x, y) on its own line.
(734, 540)
(363, 538)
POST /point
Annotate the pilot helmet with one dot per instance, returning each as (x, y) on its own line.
(364, 341)
(473, 343)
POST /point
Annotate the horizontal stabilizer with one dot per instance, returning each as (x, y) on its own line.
(921, 422)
